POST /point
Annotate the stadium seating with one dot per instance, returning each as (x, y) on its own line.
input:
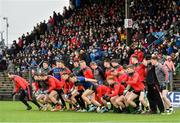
(85, 28)
(6, 86)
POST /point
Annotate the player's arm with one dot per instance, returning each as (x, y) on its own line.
(75, 90)
(52, 85)
(16, 89)
(68, 71)
(91, 80)
(126, 89)
(115, 92)
(65, 88)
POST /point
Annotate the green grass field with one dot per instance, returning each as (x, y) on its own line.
(15, 112)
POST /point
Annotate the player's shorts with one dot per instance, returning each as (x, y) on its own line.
(59, 92)
(137, 92)
(163, 86)
(81, 92)
(131, 89)
(93, 87)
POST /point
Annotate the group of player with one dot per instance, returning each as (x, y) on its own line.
(82, 90)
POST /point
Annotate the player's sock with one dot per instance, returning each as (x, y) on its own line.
(25, 103)
(77, 104)
(63, 102)
(70, 106)
(52, 104)
(36, 103)
(167, 110)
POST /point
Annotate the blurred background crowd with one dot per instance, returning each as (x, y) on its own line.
(95, 31)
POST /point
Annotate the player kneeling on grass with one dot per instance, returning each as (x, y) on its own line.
(23, 87)
(89, 86)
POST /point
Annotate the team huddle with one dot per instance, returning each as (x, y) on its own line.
(93, 89)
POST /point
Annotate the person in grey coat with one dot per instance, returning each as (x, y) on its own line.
(163, 79)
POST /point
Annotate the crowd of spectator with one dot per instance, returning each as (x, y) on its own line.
(94, 32)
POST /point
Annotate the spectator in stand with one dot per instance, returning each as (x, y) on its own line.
(170, 68)
(45, 67)
(98, 26)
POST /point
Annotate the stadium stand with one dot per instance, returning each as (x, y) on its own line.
(94, 32)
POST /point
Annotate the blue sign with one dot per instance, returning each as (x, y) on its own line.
(174, 98)
(159, 36)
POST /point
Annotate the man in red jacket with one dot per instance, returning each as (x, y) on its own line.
(22, 86)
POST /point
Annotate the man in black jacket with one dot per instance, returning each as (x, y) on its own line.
(153, 89)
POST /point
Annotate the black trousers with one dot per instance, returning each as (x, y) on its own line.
(80, 100)
(27, 95)
(60, 93)
(155, 99)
